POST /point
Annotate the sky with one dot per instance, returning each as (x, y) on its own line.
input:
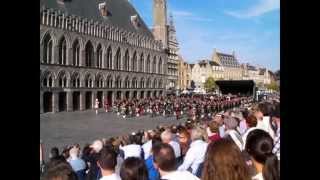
(251, 28)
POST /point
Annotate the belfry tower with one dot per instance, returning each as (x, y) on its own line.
(160, 30)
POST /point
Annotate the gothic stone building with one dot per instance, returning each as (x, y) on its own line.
(96, 49)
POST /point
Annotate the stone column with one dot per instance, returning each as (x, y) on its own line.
(113, 96)
(94, 96)
(69, 101)
(82, 101)
(55, 54)
(55, 102)
(123, 95)
(69, 56)
(41, 101)
(138, 94)
(82, 57)
(130, 95)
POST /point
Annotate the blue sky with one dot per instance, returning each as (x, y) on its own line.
(249, 27)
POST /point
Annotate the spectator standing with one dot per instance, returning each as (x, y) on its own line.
(133, 168)
(231, 125)
(107, 162)
(77, 164)
(224, 161)
(259, 146)
(167, 137)
(153, 173)
(195, 154)
(213, 131)
(133, 149)
(165, 162)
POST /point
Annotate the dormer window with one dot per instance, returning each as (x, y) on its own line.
(103, 9)
(135, 21)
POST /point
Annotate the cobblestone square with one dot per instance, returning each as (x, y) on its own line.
(83, 127)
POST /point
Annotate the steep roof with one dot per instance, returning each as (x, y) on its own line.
(228, 60)
(120, 12)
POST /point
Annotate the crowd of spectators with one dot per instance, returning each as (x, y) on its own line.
(240, 143)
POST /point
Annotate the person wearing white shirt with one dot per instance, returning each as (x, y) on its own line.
(146, 147)
(107, 161)
(166, 137)
(133, 149)
(196, 153)
(165, 163)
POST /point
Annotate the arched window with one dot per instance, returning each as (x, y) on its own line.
(154, 65)
(47, 49)
(109, 58)
(99, 56)
(75, 80)
(155, 83)
(118, 82)
(142, 83)
(134, 83)
(99, 81)
(89, 54)
(148, 64)
(109, 82)
(141, 63)
(148, 83)
(76, 53)
(126, 61)
(118, 60)
(47, 80)
(62, 80)
(88, 81)
(127, 83)
(62, 51)
(134, 62)
(160, 66)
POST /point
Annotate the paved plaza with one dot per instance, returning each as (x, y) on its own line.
(83, 127)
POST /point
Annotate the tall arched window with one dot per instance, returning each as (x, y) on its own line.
(76, 53)
(109, 82)
(154, 65)
(118, 82)
(62, 79)
(160, 83)
(118, 60)
(88, 81)
(134, 83)
(47, 49)
(47, 80)
(155, 84)
(109, 58)
(160, 66)
(134, 62)
(126, 65)
(62, 51)
(75, 80)
(141, 63)
(148, 64)
(142, 83)
(99, 56)
(126, 83)
(89, 54)
(99, 81)
(148, 83)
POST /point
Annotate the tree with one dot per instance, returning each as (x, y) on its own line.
(210, 84)
(273, 85)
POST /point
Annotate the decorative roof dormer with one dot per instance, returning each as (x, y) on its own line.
(103, 9)
(135, 21)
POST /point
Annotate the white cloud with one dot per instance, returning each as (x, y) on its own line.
(264, 6)
(186, 15)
